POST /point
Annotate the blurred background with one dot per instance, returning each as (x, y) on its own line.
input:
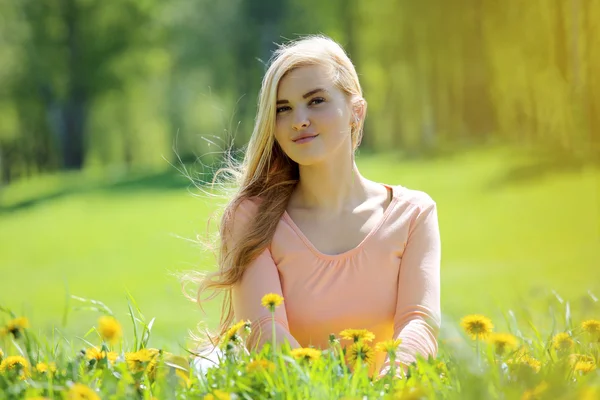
(493, 108)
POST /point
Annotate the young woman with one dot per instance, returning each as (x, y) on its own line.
(342, 250)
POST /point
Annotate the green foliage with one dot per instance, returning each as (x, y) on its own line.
(86, 83)
(511, 225)
(561, 363)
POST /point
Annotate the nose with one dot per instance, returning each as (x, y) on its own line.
(301, 121)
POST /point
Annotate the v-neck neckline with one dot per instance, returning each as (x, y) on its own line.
(350, 252)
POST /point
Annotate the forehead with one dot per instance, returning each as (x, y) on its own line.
(302, 80)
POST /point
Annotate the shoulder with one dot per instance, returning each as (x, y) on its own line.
(239, 214)
(420, 210)
(417, 198)
(245, 209)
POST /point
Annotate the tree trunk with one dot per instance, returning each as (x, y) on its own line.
(75, 108)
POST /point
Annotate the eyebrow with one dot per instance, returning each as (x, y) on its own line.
(305, 96)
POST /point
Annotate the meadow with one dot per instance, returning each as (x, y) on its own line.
(520, 234)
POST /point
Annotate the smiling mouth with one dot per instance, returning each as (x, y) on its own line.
(305, 139)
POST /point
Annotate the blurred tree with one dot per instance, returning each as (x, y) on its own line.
(70, 56)
(85, 82)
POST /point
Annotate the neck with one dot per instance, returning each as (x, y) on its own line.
(334, 186)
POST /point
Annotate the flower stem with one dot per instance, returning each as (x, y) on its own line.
(273, 338)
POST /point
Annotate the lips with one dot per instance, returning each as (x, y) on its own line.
(304, 136)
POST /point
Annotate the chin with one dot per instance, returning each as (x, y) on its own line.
(306, 160)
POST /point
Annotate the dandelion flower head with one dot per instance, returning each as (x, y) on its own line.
(43, 368)
(80, 391)
(306, 354)
(232, 334)
(562, 341)
(503, 342)
(94, 353)
(357, 335)
(477, 326)
(13, 363)
(15, 327)
(388, 346)
(361, 351)
(260, 365)
(110, 329)
(271, 301)
(591, 326)
(582, 363)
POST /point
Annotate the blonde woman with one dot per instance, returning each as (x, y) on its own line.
(342, 250)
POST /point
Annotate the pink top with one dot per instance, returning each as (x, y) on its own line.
(388, 284)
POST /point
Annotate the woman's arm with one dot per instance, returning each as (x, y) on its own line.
(260, 277)
(418, 317)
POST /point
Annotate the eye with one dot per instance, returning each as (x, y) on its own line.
(282, 109)
(317, 100)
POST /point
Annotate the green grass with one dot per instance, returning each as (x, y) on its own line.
(512, 229)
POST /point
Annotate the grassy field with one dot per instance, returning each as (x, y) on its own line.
(513, 229)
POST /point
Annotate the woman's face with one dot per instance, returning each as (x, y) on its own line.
(313, 116)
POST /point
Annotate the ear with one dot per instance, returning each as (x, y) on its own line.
(359, 109)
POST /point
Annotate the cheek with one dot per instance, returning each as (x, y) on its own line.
(282, 136)
(280, 128)
(335, 119)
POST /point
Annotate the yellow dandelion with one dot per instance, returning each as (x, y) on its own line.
(143, 355)
(94, 353)
(43, 368)
(357, 335)
(271, 301)
(523, 360)
(232, 334)
(575, 358)
(236, 328)
(584, 367)
(361, 351)
(477, 326)
(503, 342)
(15, 363)
(80, 391)
(388, 346)
(306, 354)
(144, 359)
(562, 342)
(260, 365)
(592, 327)
(582, 363)
(110, 329)
(15, 327)
(535, 393)
(1, 354)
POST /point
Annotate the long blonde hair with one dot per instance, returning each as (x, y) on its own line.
(266, 171)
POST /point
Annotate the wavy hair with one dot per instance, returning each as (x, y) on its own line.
(266, 172)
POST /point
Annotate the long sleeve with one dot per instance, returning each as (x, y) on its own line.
(260, 277)
(418, 317)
